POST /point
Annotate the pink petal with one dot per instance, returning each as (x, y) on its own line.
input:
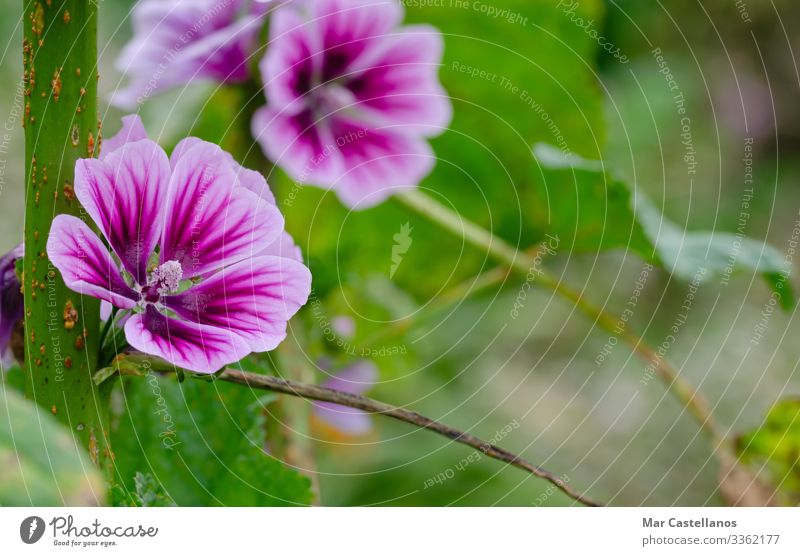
(223, 54)
(348, 30)
(105, 314)
(287, 68)
(249, 179)
(11, 298)
(378, 162)
(124, 194)
(348, 420)
(254, 298)
(356, 378)
(178, 41)
(183, 146)
(401, 85)
(187, 345)
(254, 182)
(85, 263)
(284, 247)
(211, 222)
(105, 310)
(132, 130)
(357, 17)
(308, 51)
(303, 147)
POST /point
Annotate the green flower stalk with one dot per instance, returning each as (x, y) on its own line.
(61, 126)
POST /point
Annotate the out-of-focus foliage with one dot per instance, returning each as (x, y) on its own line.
(595, 211)
(603, 212)
(40, 462)
(776, 446)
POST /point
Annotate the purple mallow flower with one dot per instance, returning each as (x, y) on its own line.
(177, 41)
(352, 97)
(198, 252)
(354, 379)
(11, 301)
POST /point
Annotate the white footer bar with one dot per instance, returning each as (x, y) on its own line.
(399, 531)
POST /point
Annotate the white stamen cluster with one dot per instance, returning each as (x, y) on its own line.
(167, 277)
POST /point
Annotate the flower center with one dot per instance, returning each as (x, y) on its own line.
(163, 280)
(331, 98)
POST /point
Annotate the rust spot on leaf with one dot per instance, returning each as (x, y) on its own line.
(70, 315)
(69, 192)
(93, 451)
(37, 19)
(56, 84)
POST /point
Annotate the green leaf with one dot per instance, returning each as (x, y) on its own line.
(601, 211)
(40, 462)
(147, 493)
(254, 476)
(686, 253)
(777, 444)
(203, 443)
(591, 210)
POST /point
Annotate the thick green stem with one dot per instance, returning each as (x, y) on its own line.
(524, 263)
(292, 418)
(61, 126)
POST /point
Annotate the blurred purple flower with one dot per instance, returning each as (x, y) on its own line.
(177, 41)
(344, 326)
(210, 296)
(11, 301)
(352, 97)
(354, 379)
(746, 104)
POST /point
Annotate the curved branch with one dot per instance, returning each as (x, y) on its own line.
(319, 393)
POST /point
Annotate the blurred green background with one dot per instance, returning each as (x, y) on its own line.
(473, 365)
